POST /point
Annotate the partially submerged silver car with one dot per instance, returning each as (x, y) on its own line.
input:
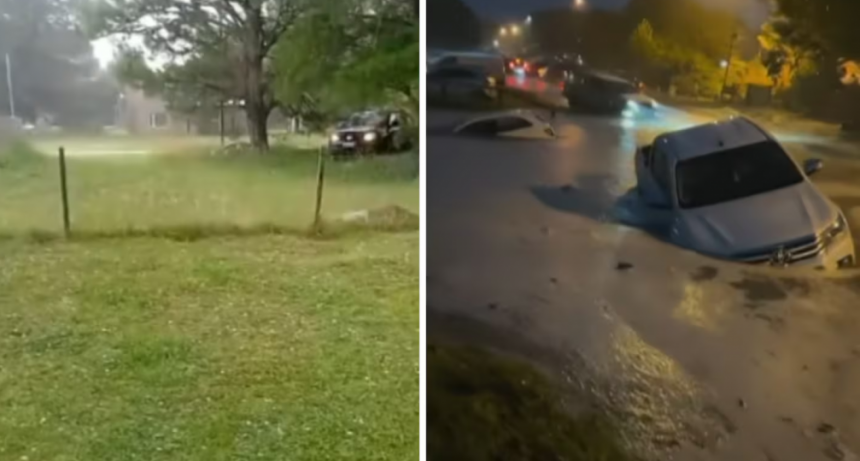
(731, 191)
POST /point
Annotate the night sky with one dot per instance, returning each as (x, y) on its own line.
(509, 9)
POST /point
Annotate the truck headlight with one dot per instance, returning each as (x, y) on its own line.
(369, 136)
(335, 138)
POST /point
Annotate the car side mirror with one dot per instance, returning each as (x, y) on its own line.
(812, 166)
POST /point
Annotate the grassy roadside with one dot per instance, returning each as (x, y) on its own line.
(483, 407)
(263, 348)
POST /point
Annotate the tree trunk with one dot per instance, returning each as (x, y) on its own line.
(258, 129)
(256, 108)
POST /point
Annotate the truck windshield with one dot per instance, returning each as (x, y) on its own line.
(734, 174)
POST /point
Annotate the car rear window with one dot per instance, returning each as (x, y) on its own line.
(734, 174)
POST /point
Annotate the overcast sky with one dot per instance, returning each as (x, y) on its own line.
(507, 9)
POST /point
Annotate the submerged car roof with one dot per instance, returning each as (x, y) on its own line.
(711, 138)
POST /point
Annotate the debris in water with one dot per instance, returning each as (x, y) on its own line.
(826, 428)
(705, 274)
(567, 188)
(742, 403)
(493, 306)
(623, 266)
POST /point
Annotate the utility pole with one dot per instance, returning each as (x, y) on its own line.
(728, 62)
(9, 86)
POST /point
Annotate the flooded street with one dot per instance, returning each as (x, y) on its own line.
(701, 359)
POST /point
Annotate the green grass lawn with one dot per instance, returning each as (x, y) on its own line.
(117, 192)
(256, 348)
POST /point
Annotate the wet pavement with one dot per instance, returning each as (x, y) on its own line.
(702, 359)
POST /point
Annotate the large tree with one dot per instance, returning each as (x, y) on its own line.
(343, 55)
(831, 23)
(220, 46)
(787, 52)
(54, 72)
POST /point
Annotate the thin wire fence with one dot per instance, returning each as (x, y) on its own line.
(289, 189)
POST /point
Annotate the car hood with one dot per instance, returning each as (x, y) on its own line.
(757, 222)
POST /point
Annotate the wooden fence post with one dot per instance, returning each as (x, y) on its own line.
(320, 183)
(64, 191)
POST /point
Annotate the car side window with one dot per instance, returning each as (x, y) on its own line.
(660, 167)
(506, 124)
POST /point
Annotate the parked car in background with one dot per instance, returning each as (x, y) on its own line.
(460, 84)
(491, 64)
(729, 190)
(373, 131)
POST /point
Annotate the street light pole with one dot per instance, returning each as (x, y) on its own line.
(728, 63)
(9, 86)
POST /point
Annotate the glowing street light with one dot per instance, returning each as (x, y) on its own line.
(503, 31)
(496, 43)
(515, 30)
(579, 3)
(529, 19)
(724, 64)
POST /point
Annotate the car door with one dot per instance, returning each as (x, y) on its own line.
(395, 131)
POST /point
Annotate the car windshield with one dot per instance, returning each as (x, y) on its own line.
(363, 119)
(735, 174)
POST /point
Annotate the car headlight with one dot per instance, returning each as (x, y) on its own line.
(837, 228)
(335, 137)
(369, 136)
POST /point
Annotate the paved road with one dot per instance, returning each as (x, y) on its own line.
(710, 360)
